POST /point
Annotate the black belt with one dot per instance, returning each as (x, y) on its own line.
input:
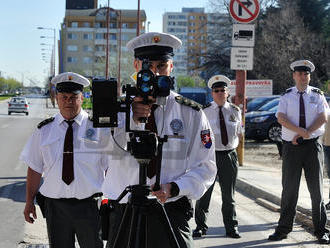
(226, 151)
(96, 195)
(305, 141)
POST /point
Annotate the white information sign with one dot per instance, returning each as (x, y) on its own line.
(254, 88)
(243, 35)
(241, 58)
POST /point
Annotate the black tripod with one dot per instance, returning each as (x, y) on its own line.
(138, 211)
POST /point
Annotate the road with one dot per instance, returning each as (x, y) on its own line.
(14, 132)
(255, 222)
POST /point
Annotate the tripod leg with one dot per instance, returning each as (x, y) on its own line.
(170, 227)
(127, 219)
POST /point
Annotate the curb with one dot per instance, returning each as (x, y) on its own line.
(272, 201)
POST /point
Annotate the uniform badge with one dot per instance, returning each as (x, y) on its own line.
(232, 118)
(206, 138)
(312, 99)
(90, 133)
(176, 125)
(156, 39)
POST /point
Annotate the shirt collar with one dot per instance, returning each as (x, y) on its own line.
(215, 105)
(307, 90)
(78, 119)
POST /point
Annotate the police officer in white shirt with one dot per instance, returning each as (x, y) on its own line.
(68, 152)
(226, 122)
(187, 163)
(302, 112)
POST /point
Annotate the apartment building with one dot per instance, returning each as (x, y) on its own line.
(198, 31)
(83, 39)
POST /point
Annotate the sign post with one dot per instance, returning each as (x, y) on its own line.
(243, 11)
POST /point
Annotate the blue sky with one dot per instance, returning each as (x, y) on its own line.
(20, 49)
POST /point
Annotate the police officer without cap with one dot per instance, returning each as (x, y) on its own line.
(64, 150)
(187, 164)
(302, 112)
(226, 122)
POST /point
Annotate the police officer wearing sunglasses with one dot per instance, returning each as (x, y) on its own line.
(226, 122)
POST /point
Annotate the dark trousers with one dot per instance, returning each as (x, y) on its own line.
(158, 232)
(227, 164)
(307, 156)
(67, 218)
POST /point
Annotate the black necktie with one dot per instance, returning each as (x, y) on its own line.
(302, 118)
(151, 126)
(223, 129)
(67, 170)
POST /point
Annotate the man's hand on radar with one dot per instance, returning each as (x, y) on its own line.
(164, 193)
(29, 210)
(139, 109)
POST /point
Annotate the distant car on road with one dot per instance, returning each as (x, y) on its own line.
(18, 105)
(257, 102)
(261, 125)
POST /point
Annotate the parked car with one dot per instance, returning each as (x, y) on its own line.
(269, 105)
(257, 102)
(261, 125)
(18, 105)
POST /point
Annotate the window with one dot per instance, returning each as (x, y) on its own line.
(72, 60)
(99, 48)
(72, 48)
(74, 24)
(112, 36)
(125, 37)
(113, 25)
(87, 49)
(171, 17)
(88, 36)
(97, 25)
(99, 36)
(72, 36)
(171, 30)
(124, 25)
(171, 23)
(192, 17)
(182, 17)
(86, 24)
(87, 60)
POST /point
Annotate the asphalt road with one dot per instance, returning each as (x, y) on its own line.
(14, 132)
(255, 222)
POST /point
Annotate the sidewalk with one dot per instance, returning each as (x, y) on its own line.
(265, 184)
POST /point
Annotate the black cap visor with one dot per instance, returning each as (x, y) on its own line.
(302, 68)
(69, 87)
(154, 53)
(219, 85)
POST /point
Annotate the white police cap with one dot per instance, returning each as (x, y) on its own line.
(70, 82)
(154, 45)
(218, 81)
(302, 65)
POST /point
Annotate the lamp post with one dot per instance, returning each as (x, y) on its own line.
(54, 47)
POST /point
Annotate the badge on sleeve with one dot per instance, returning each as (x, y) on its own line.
(176, 125)
(206, 138)
(312, 99)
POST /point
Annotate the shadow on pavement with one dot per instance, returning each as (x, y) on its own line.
(13, 190)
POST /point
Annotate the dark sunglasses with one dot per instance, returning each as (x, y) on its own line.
(216, 91)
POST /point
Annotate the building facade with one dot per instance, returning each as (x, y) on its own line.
(198, 31)
(83, 40)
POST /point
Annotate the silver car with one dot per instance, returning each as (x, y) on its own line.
(18, 105)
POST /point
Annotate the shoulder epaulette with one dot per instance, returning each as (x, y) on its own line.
(45, 122)
(188, 102)
(207, 105)
(287, 91)
(234, 106)
(318, 91)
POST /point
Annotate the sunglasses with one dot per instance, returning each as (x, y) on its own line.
(216, 91)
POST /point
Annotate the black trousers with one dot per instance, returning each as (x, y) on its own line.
(227, 164)
(67, 218)
(158, 232)
(307, 156)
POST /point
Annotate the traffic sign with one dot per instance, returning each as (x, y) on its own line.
(241, 58)
(243, 35)
(244, 11)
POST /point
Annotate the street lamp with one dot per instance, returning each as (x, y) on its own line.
(54, 46)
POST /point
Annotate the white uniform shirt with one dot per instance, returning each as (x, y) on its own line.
(185, 159)
(43, 153)
(315, 104)
(233, 120)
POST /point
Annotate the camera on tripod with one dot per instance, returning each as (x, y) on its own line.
(149, 84)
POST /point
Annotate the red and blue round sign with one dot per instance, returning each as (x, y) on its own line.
(244, 11)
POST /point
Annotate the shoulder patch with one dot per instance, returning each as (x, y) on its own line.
(188, 102)
(318, 91)
(287, 91)
(234, 106)
(207, 105)
(45, 122)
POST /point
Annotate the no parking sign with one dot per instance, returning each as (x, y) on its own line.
(244, 11)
